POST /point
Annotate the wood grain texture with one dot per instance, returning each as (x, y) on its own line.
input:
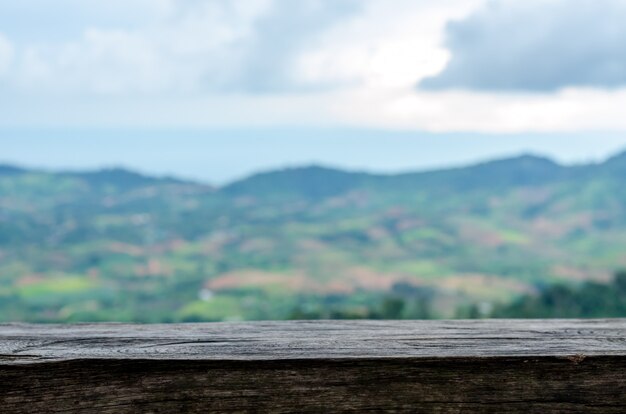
(328, 366)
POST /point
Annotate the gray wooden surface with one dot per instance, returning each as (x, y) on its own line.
(327, 366)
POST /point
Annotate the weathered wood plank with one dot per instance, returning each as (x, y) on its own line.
(311, 340)
(399, 366)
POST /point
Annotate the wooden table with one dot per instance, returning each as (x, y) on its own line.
(324, 366)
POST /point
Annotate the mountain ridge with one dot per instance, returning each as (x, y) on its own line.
(524, 162)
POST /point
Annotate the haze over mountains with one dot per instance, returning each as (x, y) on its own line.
(118, 245)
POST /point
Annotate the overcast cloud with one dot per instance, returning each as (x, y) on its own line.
(188, 47)
(537, 45)
(481, 66)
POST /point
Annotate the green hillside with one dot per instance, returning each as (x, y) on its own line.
(304, 242)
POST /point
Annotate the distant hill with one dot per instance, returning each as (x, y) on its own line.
(311, 182)
(10, 170)
(121, 179)
(302, 242)
(512, 172)
(616, 164)
(319, 182)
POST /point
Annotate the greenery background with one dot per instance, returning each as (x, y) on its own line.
(520, 237)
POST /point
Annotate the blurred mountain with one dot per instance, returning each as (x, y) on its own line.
(616, 164)
(118, 245)
(121, 179)
(313, 182)
(10, 170)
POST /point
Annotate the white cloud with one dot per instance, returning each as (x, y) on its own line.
(569, 110)
(188, 45)
(246, 63)
(537, 45)
(192, 47)
(389, 45)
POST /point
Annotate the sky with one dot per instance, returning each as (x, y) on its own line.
(217, 89)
